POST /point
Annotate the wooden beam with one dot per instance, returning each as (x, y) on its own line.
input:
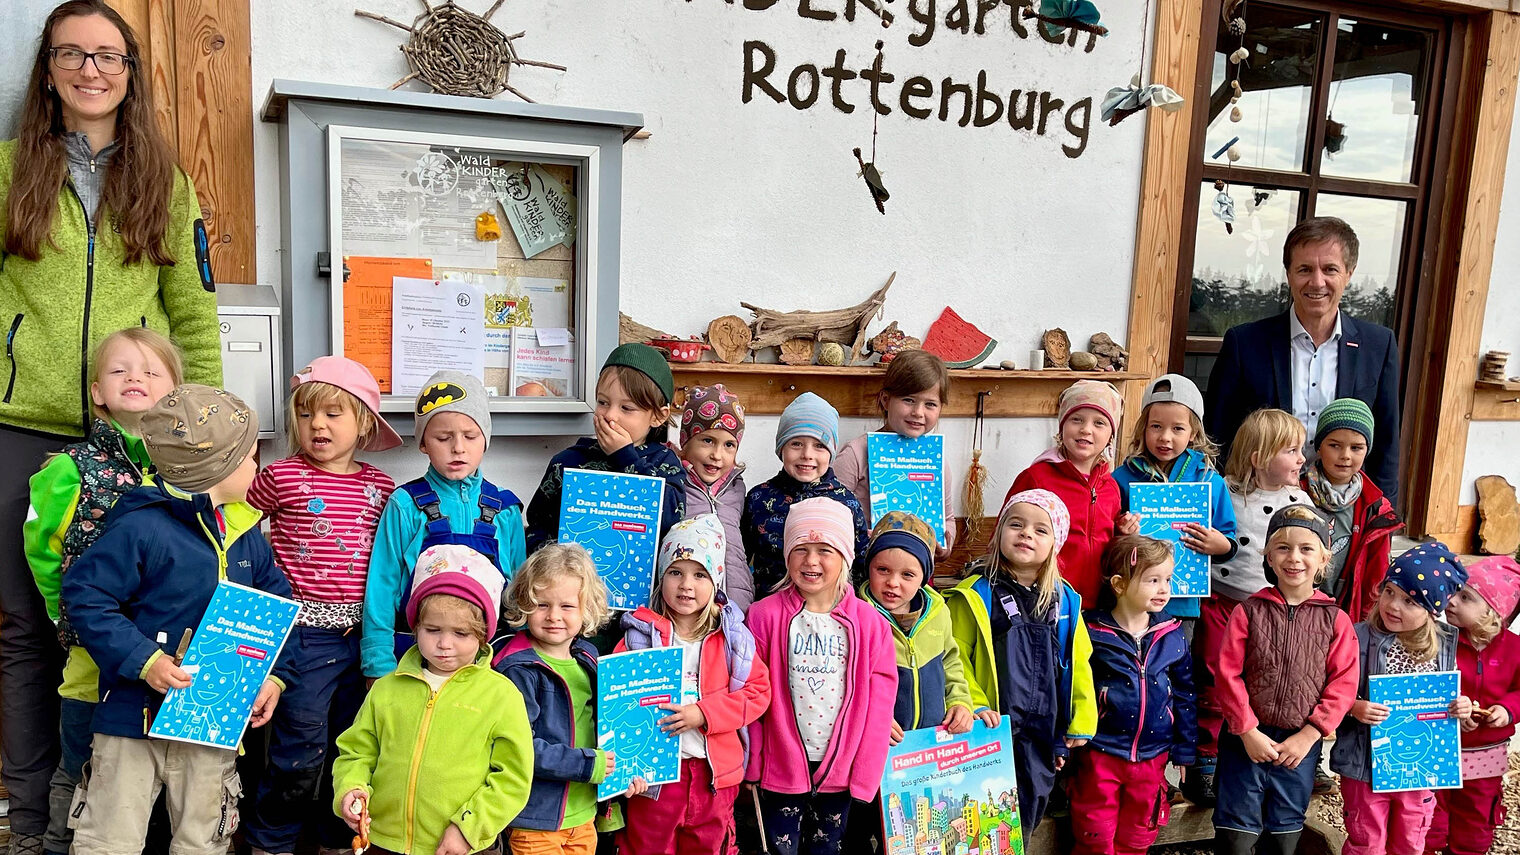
(1164, 191)
(1492, 118)
(153, 22)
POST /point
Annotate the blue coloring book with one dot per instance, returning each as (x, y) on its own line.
(616, 516)
(907, 475)
(1164, 509)
(630, 688)
(1419, 745)
(944, 793)
(231, 654)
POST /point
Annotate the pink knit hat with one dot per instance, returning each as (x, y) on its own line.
(1050, 503)
(821, 520)
(461, 572)
(1497, 580)
(1097, 395)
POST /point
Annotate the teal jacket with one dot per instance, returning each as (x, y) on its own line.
(398, 541)
(54, 311)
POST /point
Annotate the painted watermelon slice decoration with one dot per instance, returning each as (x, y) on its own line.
(953, 339)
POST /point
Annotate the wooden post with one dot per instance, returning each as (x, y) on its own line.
(1492, 117)
(1164, 191)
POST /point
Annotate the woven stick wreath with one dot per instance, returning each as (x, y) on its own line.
(458, 52)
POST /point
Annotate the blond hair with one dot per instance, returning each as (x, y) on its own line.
(448, 604)
(1048, 582)
(550, 564)
(844, 572)
(1263, 435)
(712, 614)
(314, 395)
(1488, 628)
(1199, 441)
(1306, 514)
(1423, 643)
(145, 339)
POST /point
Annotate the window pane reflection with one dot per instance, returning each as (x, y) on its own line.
(1375, 100)
(1379, 224)
(1239, 277)
(1277, 83)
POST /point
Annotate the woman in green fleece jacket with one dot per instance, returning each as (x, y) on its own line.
(101, 231)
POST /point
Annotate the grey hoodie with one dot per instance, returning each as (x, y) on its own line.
(87, 171)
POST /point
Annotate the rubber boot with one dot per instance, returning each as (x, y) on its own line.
(1279, 844)
(1228, 841)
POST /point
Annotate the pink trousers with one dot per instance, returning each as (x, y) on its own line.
(689, 817)
(1391, 823)
(1465, 819)
(1117, 807)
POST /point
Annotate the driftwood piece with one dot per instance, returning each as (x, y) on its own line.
(1111, 357)
(630, 330)
(797, 351)
(1499, 516)
(1057, 348)
(730, 337)
(845, 326)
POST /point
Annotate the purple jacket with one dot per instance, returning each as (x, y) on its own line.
(726, 499)
(857, 751)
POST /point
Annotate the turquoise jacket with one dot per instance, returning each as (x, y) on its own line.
(398, 541)
(54, 311)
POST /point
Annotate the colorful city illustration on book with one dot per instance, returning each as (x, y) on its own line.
(945, 794)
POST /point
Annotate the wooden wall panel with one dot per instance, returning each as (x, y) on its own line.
(1492, 117)
(1164, 191)
(198, 57)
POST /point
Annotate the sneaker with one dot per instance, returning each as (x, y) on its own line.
(1199, 786)
(1325, 783)
(26, 844)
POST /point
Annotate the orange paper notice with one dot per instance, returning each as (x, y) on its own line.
(367, 309)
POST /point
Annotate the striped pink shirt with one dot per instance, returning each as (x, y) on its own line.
(322, 528)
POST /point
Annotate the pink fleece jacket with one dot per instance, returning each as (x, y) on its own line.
(857, 751)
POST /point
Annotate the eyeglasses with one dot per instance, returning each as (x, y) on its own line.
(70, 59)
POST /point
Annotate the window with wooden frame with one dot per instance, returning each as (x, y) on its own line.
(1341, 114)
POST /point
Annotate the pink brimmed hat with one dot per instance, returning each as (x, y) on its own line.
(356, 380)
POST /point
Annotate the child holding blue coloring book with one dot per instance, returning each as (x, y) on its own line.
(452, 503)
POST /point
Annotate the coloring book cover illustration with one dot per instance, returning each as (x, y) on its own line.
(907, 475)
(630, 688)
(1164, 509)
(616, 516)
(231, 654)
(946, 793)
(1419, 745)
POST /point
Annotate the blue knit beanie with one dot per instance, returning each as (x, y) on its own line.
(1429, 574)
(1344, 414)
(809, 415)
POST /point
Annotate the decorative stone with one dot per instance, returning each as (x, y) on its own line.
(730, 338)
(890, 342)
(1008, 365)
(1239, 55)
(831, 353)
(1081, 360)
(1111, 357)
(1498, 515)
(1233, 153)
(1236, 115)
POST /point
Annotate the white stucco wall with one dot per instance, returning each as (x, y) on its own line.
(761, 202)
(1491, 446)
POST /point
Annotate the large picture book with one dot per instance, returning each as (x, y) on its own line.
(1419, 745)
(631, 686)
(943, 793)
(907, 475)
(616, 517)
(1164, 509)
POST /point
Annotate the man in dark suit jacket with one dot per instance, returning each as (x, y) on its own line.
(1263, 363)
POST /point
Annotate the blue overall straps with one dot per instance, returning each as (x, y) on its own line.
(437, 532)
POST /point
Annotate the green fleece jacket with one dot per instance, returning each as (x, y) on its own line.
(54, 311)
(463, 756)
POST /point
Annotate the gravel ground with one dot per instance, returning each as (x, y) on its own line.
(1328, 811)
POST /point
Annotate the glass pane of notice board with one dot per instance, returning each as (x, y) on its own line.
(463, 252)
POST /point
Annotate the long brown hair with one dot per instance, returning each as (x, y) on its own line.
(140, 180)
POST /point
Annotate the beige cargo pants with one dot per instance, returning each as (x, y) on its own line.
(201, 789)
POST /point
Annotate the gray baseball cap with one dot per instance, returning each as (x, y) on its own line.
(1176, 389)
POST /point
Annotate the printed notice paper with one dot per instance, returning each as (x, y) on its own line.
(1419, 745)
(630, 688)
(367, 309)
(539, 370)
(944, 793)
(232, 653)
(907, 475)
(616, 516)
(435, 324)
(1164, 509)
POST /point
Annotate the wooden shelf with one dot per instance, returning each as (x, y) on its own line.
(766, 388)
(1495, 401)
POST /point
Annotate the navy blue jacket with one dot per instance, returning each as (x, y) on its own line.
(1254, 370)
(654, 459)
(556, 760)
(1140, 725)
(764, 525)
(153, 572)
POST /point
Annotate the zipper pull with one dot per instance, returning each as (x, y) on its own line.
(92, 166)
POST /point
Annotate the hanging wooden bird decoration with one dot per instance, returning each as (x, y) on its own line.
(1057, 16)
(868, 169)
(1122, 102)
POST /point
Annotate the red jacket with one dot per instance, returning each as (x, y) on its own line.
(1491, 677)
(1373, 524)
(728, 711)
(1095, 506)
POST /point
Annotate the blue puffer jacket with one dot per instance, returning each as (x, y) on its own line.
(1134, 723)
(1191, 466)
(152, 574)
(556, 760)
